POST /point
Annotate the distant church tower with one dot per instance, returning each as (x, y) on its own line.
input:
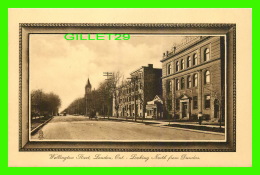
(87, 96)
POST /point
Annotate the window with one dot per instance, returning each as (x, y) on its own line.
(182, 64)
(169, 68)
(189, 81)
(169, 104)
(195, 59)
(188, 62)
(182, 83)
(195, 80)
(170, 86)
(207, 101)
(206, 54)
(207, 77)
(177, 104)
(177, 66)
(195, 102)
(177, 84)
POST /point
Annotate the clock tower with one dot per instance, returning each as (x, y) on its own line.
(87, 97)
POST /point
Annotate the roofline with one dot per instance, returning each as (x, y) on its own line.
(142, 68)
(185, 49)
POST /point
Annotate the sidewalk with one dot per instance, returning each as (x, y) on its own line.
(189, 125)
(39, 123)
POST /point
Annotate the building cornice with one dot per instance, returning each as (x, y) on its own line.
(185, 49)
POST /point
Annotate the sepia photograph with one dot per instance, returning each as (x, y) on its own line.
(127, 87)
(132, 90)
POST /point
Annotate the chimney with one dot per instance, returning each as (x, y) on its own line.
(174, 49)
(150, 65)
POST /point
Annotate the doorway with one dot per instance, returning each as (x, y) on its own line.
(184, 109)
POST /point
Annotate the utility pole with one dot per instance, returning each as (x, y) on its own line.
(108, 75)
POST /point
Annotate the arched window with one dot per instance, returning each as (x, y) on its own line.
(206, 54)
(207, 77)
(177, 66)
(170, 86)
(177, 84)
(188, 62)
(169, 68)
(195, 59)
(189, 81)
(182, 83)
(182, 64)
(195, 80)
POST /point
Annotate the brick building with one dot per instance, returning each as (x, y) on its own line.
(131, 97)
(193, 79)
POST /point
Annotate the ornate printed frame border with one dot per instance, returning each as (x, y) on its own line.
(144, 28)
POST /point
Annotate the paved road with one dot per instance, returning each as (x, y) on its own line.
(81, 128)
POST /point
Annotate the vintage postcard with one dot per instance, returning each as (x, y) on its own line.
(150, 93)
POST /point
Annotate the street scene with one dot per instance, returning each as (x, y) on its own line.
(133, 90)
(73, 127)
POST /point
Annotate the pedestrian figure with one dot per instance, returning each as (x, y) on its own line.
(200, 118)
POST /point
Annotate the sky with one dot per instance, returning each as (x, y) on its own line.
(64, 66)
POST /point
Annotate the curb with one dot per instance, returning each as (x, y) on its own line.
(40, 126)
(132, 121)
(195, 128)
(199, 127)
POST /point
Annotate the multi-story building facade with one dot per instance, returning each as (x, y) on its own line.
(131, 97)
(193, 78)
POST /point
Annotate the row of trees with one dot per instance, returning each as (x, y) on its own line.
(100, 99)
(76, 107)
(44, 103)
